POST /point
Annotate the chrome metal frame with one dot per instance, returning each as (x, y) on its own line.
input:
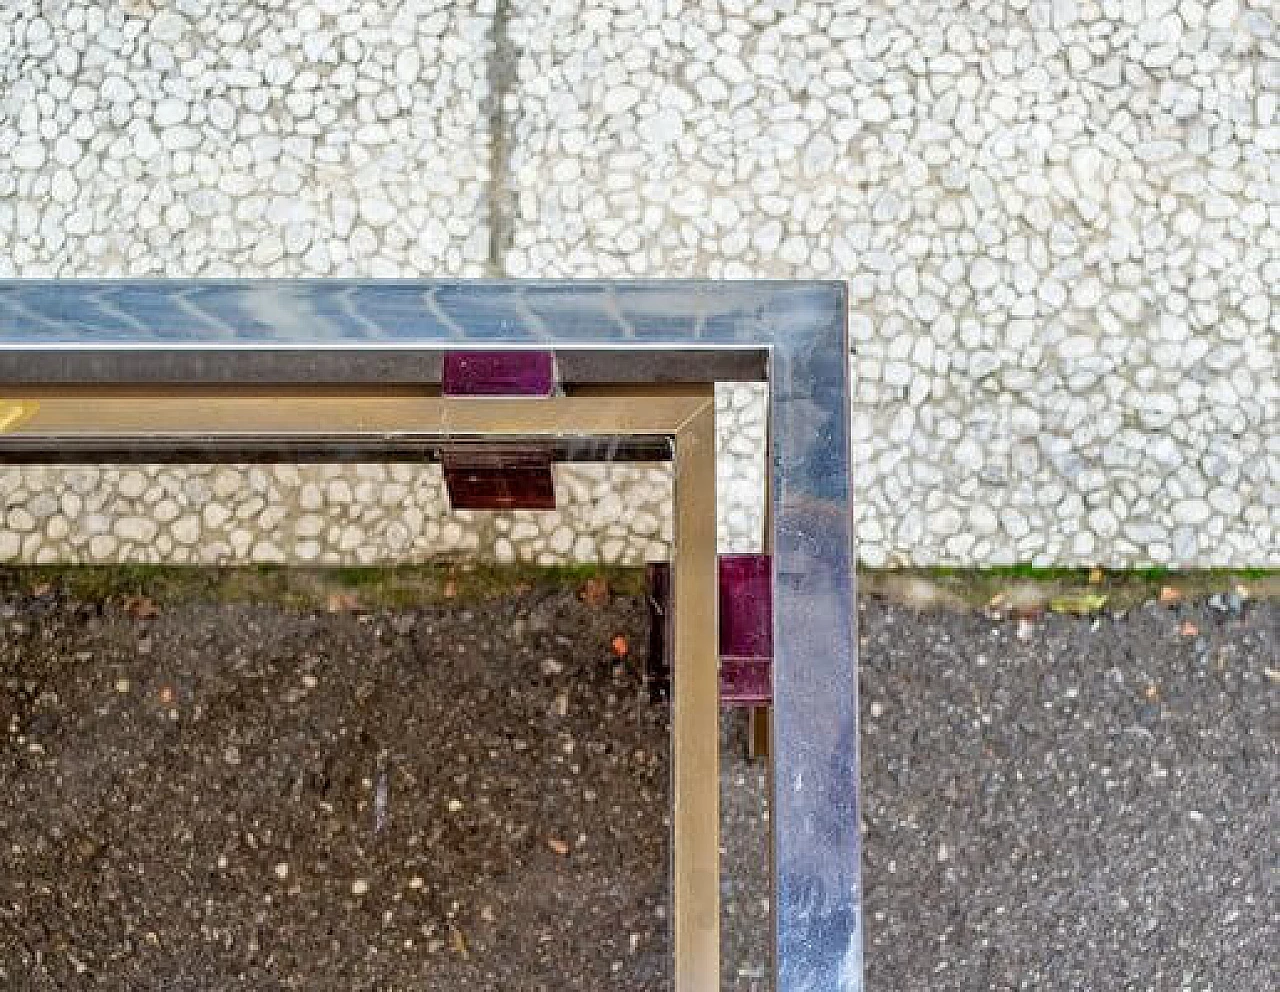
(268, 335)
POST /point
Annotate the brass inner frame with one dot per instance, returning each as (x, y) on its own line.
(685, 414)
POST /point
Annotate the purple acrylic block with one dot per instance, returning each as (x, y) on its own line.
(501, 479)
(746, 630)
(745, 596)
(498, 373)
(746, 606)
(746, 681)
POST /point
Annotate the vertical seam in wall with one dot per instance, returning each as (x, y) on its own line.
(501, 71)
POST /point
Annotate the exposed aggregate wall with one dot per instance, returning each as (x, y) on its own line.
(1060, 224)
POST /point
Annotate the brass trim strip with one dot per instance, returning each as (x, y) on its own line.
(179, 415)
(695, 708)
(13, 413)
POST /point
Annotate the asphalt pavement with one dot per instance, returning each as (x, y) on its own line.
(202, 789)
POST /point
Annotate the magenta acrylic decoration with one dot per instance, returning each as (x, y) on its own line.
(499, 480)
(746, 629)
(746, 606)
(745, 597)
(510, 480)
(746, 681)
(498, 373)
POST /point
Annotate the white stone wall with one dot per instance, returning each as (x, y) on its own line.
(1059, 220)
(320, 515)
(186, 138)
(1060, 223)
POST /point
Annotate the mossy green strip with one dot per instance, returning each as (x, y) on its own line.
(408, 585)
(390, 587)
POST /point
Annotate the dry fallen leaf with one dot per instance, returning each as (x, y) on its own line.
(557, 845)
(1096, 575)
(450, 589)
(458, 941)
(343, 602)
(595, 592)
(1078, 603)
(140, 607)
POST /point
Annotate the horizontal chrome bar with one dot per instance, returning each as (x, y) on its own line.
(104, 365)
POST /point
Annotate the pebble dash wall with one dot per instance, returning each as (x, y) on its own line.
(1059, 221)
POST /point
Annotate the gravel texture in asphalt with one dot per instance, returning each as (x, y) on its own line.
(1071, 802)
(207, 794)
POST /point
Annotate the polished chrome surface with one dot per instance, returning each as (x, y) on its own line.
(52, 328)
